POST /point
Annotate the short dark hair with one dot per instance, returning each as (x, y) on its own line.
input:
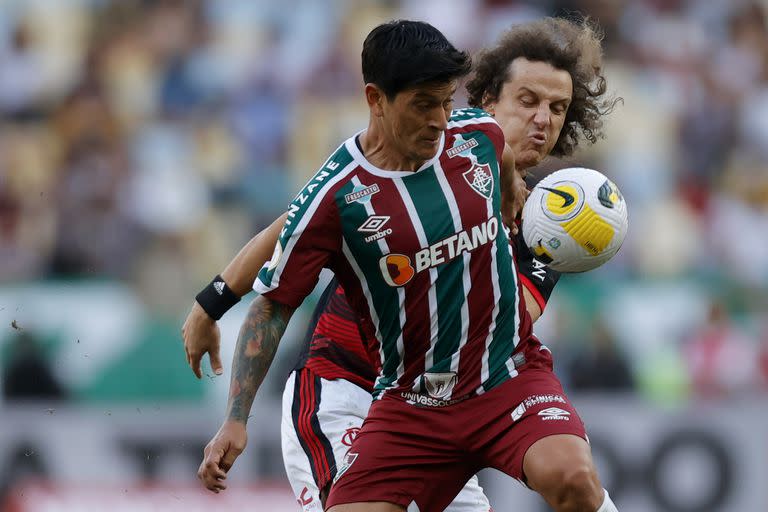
(402, 54)
(572, 46)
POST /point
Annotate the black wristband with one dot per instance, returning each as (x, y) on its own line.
(216, 298)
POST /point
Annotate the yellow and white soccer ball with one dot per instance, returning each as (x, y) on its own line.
(575, 220)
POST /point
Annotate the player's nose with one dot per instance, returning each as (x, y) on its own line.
(439, 119)
(543, 117)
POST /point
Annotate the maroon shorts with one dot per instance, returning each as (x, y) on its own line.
(405, 453)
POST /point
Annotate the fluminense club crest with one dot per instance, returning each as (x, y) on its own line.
(480, 178)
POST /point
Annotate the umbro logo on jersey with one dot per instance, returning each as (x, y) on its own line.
(373, 223)
(480, 178)
(554, 413)
(361, 193)
(219, 287)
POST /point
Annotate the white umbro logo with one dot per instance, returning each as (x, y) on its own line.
(373, 223)
(554, 413)
(219, 286)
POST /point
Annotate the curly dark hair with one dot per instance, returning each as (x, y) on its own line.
(572, 46)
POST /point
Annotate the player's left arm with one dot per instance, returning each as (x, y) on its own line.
(257, 343)
(513, 190)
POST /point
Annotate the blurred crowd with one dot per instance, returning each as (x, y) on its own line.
(146, 141)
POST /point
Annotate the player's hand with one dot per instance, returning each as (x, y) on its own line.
(219, 455)
(201, 334)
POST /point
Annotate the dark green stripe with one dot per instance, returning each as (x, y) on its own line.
(437, 226)
(384, 297)
(502, 340)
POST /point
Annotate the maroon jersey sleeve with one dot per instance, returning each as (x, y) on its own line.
(308, 242)
(494, 132)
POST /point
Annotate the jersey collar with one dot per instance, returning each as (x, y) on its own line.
(384, 173)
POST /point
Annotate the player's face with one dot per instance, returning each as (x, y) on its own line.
(531, 109)
(416, 118)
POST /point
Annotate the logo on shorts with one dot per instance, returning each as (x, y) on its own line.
(349, 436)
(440, 385)
(518, 412)
(554, 413)
(347, 461)
(536, 400)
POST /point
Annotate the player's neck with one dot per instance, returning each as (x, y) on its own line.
(383, 154)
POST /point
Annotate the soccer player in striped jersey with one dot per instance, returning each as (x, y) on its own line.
(433, 388)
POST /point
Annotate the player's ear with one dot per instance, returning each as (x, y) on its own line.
(375, 98)
(488, 104)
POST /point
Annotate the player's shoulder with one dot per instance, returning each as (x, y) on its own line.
(465, 120)
(469, 119)
(465, 116)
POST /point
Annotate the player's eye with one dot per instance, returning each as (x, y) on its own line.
(528, 101)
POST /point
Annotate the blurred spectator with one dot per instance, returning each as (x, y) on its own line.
(28, 374)
(722, 361)
(21, 69)
(763, 356)
(598, 365)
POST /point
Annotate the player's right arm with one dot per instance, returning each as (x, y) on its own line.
(308, 241)
(200, 331)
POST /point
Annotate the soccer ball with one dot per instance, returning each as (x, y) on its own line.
(575, 220)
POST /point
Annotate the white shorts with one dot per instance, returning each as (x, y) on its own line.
(320, 419)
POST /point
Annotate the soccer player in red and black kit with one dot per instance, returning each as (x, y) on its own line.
(513, 80)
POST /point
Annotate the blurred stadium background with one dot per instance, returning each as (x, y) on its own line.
(143, 142)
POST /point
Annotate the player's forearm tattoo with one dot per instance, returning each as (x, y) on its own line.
(256, 346)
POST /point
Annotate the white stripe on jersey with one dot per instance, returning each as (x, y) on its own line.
(484, 372)
(306, 217)
(384, 248)
(518, 300)
(466, 276)
(432, 294)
